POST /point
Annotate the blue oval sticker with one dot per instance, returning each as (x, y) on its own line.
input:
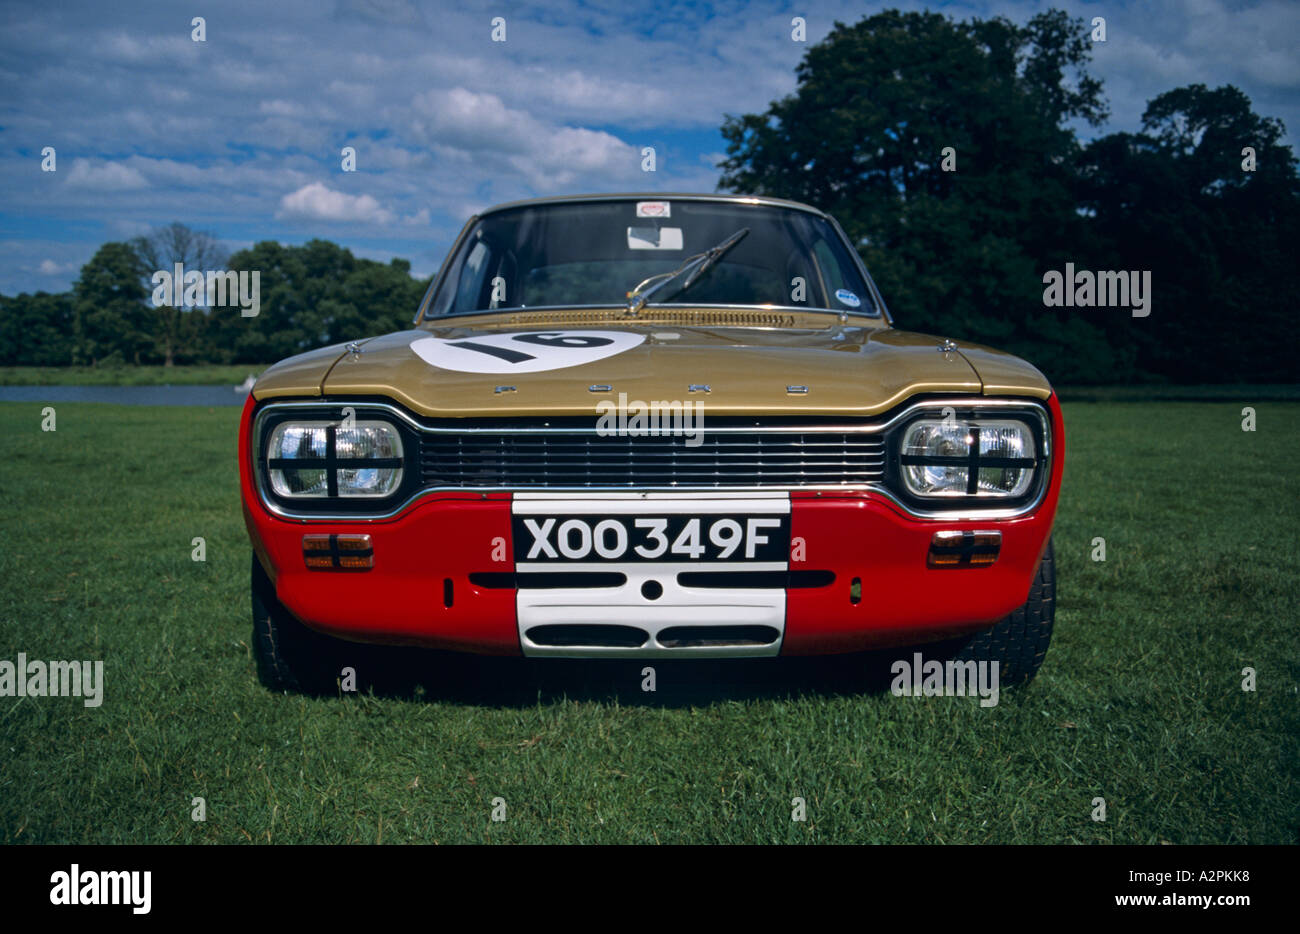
(848, 298)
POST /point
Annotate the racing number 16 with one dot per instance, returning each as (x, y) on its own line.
(544, 339)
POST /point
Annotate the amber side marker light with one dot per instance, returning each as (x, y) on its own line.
(338, 552)
(964, 549)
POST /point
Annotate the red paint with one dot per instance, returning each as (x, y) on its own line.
(903, 602)
(859, 534)
(399, 601)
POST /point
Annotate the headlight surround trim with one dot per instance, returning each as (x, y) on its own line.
(889, 488)
(968, 464)
(360, 458)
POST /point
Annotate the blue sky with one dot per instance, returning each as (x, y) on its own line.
(241, 134)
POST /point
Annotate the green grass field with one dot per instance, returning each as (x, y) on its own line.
(1139, 701)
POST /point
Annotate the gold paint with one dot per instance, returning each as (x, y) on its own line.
(863, 367)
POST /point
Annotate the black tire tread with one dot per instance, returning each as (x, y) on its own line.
(1019, 641)
(290, 657)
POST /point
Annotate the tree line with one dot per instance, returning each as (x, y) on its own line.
(311, 295)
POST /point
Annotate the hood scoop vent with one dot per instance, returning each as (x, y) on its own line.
(699, 317)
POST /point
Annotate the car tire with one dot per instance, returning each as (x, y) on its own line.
(1018, 643)
(290, 657)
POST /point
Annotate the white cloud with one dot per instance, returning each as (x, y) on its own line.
(548, 157)
(351, 94)
(122, 47)
(109, 176)
(473, 120)
(316, 202)
(281, 108)
(568, 156)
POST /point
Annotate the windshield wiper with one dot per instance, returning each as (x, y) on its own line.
(698, 264)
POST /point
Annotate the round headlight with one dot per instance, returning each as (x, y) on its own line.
(937, 457)
(324, 459)
(932, 450)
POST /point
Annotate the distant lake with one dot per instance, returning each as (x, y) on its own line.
(126, 395)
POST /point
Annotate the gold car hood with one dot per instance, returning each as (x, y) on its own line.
(300, 375)
(848, 368)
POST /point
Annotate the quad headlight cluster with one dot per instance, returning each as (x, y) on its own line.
(990, 457)
(972, 457)
(315, 458)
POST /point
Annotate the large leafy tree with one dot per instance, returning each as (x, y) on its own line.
(384, 296)
(177, 331)
(36, 329)
(963, 252)
(313, 295)
(864, 136)
(111, 320)
(1220, 235)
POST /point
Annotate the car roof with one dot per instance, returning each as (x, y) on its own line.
(655, 196)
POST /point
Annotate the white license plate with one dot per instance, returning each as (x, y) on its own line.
(675, 537)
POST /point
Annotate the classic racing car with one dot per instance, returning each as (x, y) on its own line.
(651, 426)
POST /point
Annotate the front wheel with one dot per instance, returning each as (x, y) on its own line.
(1018, 643)
(290, 657)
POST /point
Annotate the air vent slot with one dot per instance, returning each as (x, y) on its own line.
(547, 580)
(756, 580)
(684, 637)
(589, 636)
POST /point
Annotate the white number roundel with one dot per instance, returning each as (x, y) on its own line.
(523, 352)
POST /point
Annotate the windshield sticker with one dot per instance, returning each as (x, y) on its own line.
(654, 209)
(654, 238)
(848, 298)
(523, 352)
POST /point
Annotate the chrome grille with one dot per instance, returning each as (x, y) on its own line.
(561, 458)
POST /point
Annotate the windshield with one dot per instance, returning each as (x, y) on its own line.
(595, 253)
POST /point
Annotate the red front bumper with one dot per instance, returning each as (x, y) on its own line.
(406, 598)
